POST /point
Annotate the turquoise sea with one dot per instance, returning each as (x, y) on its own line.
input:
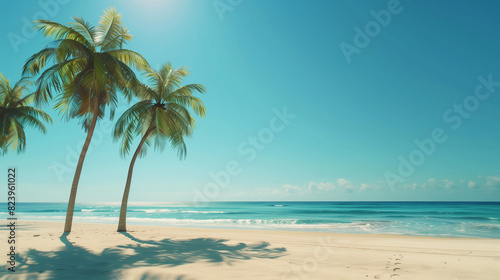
(450, 219)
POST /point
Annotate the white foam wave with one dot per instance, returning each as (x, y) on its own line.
(177, 211)
(260, 223)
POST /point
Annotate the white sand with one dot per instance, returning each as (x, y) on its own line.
(97, 251)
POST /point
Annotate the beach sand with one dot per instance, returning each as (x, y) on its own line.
(97, 251)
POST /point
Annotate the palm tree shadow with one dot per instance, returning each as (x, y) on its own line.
(65, 241)
(178, 252)
(77, 262)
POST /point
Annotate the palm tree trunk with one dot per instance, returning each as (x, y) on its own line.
(122, 222)
(76, 179)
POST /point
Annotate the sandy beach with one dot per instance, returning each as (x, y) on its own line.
(232, 139)
(97, 251)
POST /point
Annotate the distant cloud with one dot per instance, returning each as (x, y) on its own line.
(365, 187)
(341, 185)
(433, 183)
(479, 183)
(291, 189)
(482, 182)
(447, 184)
(493, 181)
(346, 185)
(320, 186)
(485, 183)
(413, 186)
(267, 192)
(471, 184)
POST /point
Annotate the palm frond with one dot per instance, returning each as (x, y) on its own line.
(5, 88)
(168, 112)
(134, 114)
(18, 141)
(15, 113)
(84, 28)
(56, 77)
(130, 58)
(110, 33)
(59, 31)
(38, 61)
(30, 116)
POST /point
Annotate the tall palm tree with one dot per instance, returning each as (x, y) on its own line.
(16, 112)
(161, 116)
(89, 67)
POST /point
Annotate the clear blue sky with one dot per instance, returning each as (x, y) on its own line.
(356, 109)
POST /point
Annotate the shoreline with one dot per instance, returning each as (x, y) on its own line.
(163, 252)
(273, 229)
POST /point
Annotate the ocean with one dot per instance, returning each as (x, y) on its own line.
(447, 219)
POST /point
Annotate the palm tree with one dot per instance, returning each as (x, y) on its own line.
(161, 116)
(89, 68)
(15, 113)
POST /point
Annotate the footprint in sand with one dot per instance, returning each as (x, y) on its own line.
(393, 264)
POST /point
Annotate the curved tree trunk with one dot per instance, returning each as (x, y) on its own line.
(76, 179)
(122, 222)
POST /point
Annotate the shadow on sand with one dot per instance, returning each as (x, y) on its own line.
(75, 262)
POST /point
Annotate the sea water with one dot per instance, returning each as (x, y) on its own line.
(450, 219)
